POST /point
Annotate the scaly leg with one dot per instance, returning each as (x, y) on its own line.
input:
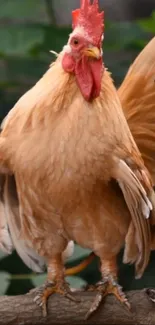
(55, 284)
(108, 285)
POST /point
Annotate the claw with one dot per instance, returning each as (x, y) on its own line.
(104, 288)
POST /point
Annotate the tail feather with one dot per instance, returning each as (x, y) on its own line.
(137, 95)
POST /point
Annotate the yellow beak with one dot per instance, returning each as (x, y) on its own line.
(93, 52)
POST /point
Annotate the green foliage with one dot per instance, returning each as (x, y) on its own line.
(148, 24)
(123, 35)
(26, 39)
(21, 41)
(4, 282)
(20, 10)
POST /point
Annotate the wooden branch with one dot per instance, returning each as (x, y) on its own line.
(21, 310)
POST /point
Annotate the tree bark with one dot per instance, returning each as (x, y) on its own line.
(21, 310)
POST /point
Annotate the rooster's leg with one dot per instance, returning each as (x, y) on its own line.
(55, 284)
(108, 285)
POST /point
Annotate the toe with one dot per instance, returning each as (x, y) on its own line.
(95, 305)
(42, 296)
(66, 292)
(120, 295)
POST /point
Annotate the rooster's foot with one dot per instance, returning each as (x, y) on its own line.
(104, 288)
(48, 289)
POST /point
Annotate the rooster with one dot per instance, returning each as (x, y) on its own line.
(67, 149)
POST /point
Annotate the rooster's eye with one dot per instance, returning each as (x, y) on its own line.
(75, 41)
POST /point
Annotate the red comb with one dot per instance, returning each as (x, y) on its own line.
(89, 17)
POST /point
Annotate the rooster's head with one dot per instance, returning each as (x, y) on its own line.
(83, 53)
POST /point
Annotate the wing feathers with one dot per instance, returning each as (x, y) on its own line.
(27, 254)
(140, 207)
(6, 244)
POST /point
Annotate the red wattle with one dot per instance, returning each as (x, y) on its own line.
(89, 76)
(84, 77)
(97, 71)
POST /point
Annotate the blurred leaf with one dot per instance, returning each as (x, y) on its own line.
(2, 254)
(4, 282)
(55, 38)
(16, 71)
(21, 9)
(74, 281)
(38, 280)
(25, 69)
(3, 76)
(148, 24)
(122, 35)
(19, 40)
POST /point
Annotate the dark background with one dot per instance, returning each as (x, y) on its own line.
(29, 29)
